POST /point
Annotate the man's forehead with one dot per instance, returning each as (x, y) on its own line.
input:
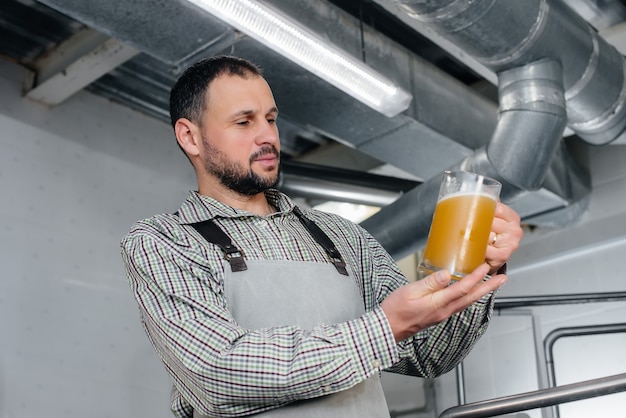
(243, 96)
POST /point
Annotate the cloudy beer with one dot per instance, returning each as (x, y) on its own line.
(461, 224)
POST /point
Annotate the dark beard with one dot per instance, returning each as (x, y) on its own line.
(247, 184)
(234, 176)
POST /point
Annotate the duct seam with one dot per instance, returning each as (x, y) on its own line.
(600, 122)
(517, 52)
(539, 98)
(438, 15)
(590, 70)
(453, 10)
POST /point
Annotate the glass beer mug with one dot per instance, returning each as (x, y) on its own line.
(459, 232)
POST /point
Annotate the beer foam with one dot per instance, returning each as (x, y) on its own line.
(465, 193)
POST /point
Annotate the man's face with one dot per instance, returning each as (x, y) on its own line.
(240, 136)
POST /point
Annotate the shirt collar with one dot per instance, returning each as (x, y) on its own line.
(198, 208)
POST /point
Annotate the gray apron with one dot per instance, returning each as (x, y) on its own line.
(305, 294)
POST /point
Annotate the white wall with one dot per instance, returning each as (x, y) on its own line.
(72, 180)
(75, 177)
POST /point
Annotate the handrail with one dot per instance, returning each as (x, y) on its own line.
(539, 398)
(578, 331)
(542, 300)
(554, 335)
(554, 395)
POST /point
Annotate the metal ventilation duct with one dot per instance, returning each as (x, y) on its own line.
(339, 184)
(419, 141)
(531, 123)
(446, 123)
(506, 36)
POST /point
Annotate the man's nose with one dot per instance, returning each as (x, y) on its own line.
(268, 133)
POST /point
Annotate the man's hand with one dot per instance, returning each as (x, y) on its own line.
(506, 234)
(421, 304)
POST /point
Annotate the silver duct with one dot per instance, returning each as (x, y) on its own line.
(531, 122)
(532, 119)
(505, 36)
(311, 181)
(508, 34)
(422, 140)
(309, 188)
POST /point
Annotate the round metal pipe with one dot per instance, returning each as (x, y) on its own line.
(312, 188)
(460, 384)
(346, 176)
(508, 34)
(540, 398)
(415, 209)
(531, 122)
(543, 300)
(314, 181)
(553, 336)
(517, 158)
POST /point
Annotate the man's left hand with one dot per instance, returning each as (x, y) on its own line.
(504, 239)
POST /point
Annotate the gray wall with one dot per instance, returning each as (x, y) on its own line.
(72, 180)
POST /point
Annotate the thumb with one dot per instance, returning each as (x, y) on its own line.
(437, 280)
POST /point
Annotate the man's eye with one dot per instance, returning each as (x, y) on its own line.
(271, 120)
(242, 122)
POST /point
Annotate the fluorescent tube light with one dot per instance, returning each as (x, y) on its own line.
(302, 46)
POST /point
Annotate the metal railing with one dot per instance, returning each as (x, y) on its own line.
(567, 299)
(554, 395)
(552, 337)
(540, 398)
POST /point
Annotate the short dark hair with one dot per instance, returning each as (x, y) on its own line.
(189, 95)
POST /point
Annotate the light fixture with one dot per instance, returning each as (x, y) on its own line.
(354, 212)
(302, 46)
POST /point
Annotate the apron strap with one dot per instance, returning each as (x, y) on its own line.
(214, 234)
(323, 239)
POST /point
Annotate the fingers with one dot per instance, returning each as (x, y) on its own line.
(506, 213)
(418, 305)
(504, 239)
(472, 288)
(506, 225)
(463, 292)
(430, 284)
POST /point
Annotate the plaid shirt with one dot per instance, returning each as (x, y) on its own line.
(222, 369)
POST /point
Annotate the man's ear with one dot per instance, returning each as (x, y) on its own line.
(188, 136)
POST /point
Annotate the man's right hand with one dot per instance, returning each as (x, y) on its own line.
(421, 304)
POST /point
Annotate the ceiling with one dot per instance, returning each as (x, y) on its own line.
(334, 147)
